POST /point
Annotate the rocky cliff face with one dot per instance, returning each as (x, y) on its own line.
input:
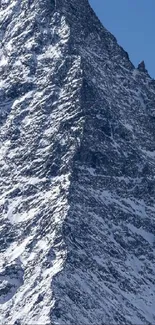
(77, 163)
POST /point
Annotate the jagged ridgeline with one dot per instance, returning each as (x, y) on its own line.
(77, 166)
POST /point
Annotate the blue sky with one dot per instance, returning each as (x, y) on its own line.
(132, 22)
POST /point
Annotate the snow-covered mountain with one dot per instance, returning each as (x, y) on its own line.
(77, 170)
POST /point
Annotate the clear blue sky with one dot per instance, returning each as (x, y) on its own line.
(132, 22)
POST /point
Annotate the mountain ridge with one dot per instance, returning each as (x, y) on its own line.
(77, 171)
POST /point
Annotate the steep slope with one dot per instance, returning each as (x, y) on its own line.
(77, 170)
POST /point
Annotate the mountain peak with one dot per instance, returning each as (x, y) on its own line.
(77, 166)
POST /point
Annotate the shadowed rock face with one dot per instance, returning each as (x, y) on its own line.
(77, 163)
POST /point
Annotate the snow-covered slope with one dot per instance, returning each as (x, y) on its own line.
(77, 163)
